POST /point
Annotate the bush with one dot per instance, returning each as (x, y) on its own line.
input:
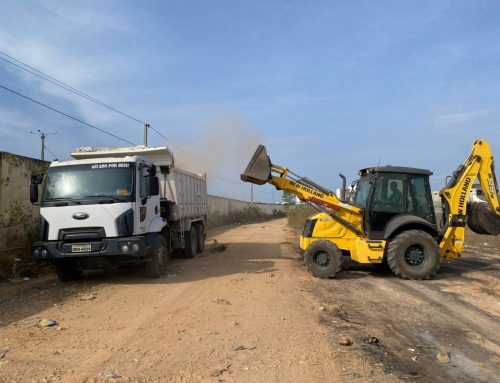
(298, 215)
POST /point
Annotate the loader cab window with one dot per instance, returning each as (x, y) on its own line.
(419, 198)
(361, 192)
(387, 201)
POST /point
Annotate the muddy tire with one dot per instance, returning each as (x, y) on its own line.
(200, 238)
(155, 268)
(191, 243)
(66, 270)
(413, 254)
(323, 259)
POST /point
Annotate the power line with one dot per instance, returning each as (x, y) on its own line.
(67, 115)
(69, 88)
(50, 151)
(63, 85)
(162, 135)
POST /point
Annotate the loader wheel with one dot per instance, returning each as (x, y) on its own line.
(155, 268)
(191, 243)
(413, 254)
(200, 238)
(66, 271)
(323, 259)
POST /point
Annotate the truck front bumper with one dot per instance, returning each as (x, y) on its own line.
(107, 247)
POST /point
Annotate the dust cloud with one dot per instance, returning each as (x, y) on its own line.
(223, 150)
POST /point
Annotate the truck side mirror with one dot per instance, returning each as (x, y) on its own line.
(152, 170)
(154, 186)
(34, 193)
(36, 179)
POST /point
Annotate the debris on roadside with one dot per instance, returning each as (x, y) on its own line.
(443, 355)
(372, 340)
(321, 308)
(46, 323)
(4, 351)
(344, 341)
(242, 348)
(87, 297)
(217, 247)
(222, 301)
(110, 374)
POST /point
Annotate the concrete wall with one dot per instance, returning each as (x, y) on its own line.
(15, 177)
(18, 218)
(223, 211)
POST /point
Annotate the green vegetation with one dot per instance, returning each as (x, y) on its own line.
(298, 214)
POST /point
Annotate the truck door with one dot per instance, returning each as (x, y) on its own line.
(148, 201)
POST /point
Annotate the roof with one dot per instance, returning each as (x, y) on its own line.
(394, 169)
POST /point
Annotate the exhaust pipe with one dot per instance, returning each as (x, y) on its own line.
(344, 184)
(258, 171)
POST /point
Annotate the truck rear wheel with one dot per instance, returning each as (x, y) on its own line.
(413, 254)
(155, 268)
(191, 243)
(66, 270)
(200, 238)
(323, 259)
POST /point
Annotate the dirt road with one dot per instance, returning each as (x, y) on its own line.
(254, 314)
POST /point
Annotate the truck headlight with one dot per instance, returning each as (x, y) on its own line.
(135, 247)
(125, 249)
(36, 252)
(44, 253)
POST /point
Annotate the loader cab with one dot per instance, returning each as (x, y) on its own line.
(392, 197)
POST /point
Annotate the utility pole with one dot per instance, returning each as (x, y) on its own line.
(42, 135)
(146, 126)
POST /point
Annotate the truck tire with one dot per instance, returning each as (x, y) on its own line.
(323, 259)
(155, 268)
(191, 243)
(200, 238)
(66, 270)
(413, 254)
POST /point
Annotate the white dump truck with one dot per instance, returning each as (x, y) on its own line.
(111, 207)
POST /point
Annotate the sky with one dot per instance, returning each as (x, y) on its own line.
(328, 86)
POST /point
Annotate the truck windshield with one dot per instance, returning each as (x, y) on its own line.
(114, 181)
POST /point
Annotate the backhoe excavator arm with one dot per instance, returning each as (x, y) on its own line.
(455, 196)
(260, 170)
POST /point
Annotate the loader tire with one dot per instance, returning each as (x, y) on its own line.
(190, 243)
(66, 270)
(200, 238)
(323, 259)
(155, 268)
(413, 254)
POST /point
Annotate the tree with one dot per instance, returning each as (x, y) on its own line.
(288, 198)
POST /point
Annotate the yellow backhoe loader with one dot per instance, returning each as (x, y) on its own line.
(390, 217)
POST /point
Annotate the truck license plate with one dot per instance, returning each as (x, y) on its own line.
(81, 248)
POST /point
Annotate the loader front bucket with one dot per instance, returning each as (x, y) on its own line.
(482, 220)
(258, 170)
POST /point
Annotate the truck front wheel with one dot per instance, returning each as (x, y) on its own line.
(413, 254)
(66, 270)
(155, 268)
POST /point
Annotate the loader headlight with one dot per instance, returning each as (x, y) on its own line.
(36, 252)
(125, 249)
(135, 247)
(44, 253)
